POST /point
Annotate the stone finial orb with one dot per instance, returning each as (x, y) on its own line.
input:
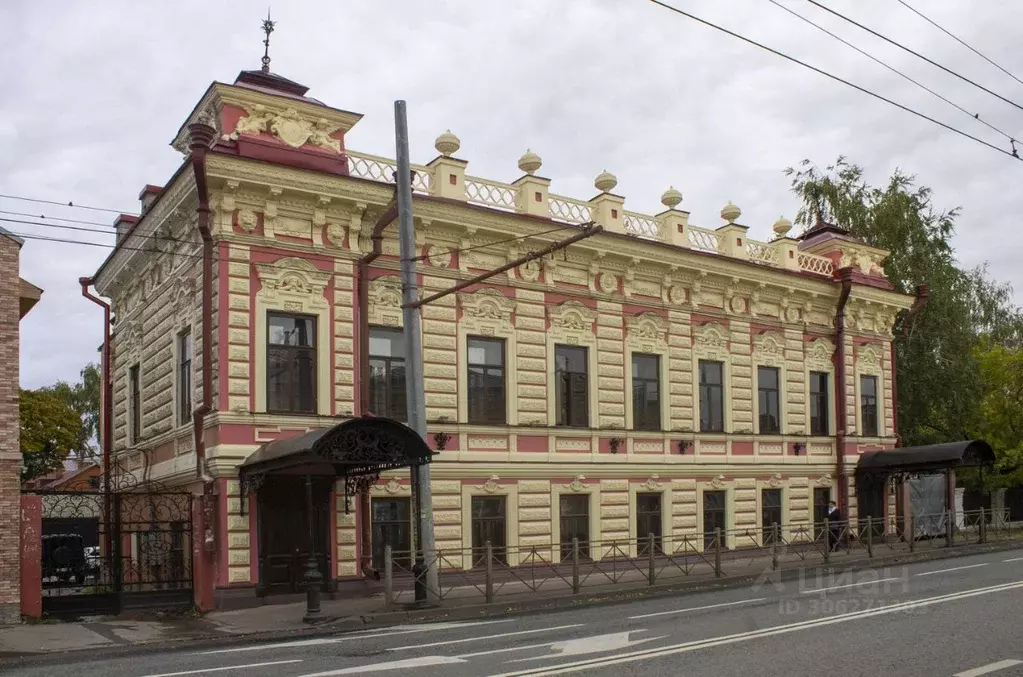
(671, 198)
(530, 162)
(730, 212)
(447, 143)
(782, 226)
(606, 181)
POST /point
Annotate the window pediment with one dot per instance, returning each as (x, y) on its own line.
(385, 301)
(647, 332)
(769, 349)
(711, 341)
(572, 322)
(486, 308)
(293, 282)
(819, 355)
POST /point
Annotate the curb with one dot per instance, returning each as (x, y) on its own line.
(342, 625)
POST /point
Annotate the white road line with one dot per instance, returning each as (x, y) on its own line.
(851, 585)
(1014, 559)
(697, 608)
(223, 669)
(990, 667)
(943, 571)
(477, 639)
(686, 647)
(396, 631)
(504, 650)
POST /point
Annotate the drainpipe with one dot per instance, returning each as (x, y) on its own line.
(108, 405)
(201, 136)
(922, 293)
(845, 275)
(362, 281)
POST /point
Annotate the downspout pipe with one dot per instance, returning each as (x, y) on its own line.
(922, 294)
(106, 441)
(201, 137)
(845, 276)
(362, 281)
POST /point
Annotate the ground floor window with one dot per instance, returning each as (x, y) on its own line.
(713, 517)
(575, 523)
(392, 525)
(489, 524)
(648, 521)
(770, 513)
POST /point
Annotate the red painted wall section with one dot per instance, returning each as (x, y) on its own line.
(742, 448)
(203, 568)
(31, 556)
(697, 319)
(222, 519)
(533, 444)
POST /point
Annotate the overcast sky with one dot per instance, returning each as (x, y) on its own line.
(94, 92)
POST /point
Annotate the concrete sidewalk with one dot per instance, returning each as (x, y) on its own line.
(282, 621)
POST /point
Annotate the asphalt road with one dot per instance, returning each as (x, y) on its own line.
(955, 617)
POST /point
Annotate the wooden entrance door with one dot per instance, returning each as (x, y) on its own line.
(284, 545)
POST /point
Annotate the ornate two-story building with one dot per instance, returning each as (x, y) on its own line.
(655, 378)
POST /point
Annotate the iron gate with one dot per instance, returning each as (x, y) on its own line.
(103, 554)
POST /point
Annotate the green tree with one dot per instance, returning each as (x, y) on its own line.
(50, 429)
(83, 397)
(939, 378)
(1001, 425)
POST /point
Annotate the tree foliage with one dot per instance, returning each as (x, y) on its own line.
(1001, 410)
(83, 397)
(50, 430)
(941, 383)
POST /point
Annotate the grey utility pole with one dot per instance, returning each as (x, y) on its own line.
(414, 390)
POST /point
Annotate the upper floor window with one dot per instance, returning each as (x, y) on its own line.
(571, 386)
(387, 373)
(184, 377)
(486, 395)
(646, 392)
(819, 403)
(291, 364)
(768, 401)
(712, 400)
(134, 404)
(868, 406)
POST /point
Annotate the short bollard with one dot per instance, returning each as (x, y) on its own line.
(717, 552)
(870, 536)
(575, 566)
(827, 541)
(489, 570)
(651, 565)
(388, 577)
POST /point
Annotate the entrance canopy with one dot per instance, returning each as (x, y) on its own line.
(357, 449)
(926, 459)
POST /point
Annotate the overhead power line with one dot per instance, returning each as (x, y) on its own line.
(67, 204)
(56, 218)
(950, 128)
(957, 39)
(914, 53)
(975, 116)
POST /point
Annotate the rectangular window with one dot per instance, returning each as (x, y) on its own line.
(646, 392)
(571, 385)
(291, 364)
(392, 525)
(819, 403)
(488, 524)
(648, 521)
(387, 373)
(868, 406)
(134, 404)
(712, 404)
(184, 377)
(713, 517)
(821, 498)
(486, 396)
(768, 402)
(575, 523)
(770, 513)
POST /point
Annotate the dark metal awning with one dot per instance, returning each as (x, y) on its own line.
(357, 450)
(929, 458)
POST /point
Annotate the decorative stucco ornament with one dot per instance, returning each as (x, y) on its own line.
(671, 198)
(530, 162)
(608, 283)
(782, 226)
(730, 212)
(247, 220)
(447, 144)
(605, 181)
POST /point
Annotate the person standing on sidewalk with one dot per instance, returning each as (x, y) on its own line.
(834, 526)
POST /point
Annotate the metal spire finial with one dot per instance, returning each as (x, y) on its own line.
(268, 28)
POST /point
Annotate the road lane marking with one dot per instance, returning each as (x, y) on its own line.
(417, 662)
(224, 669)
(463, 640)
(851, 585)
(1014, 559)
(686, 647)
(697, 608)
(990, 667)
(595, 644)
(396, 631)
(944, 571)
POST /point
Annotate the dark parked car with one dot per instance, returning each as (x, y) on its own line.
(64, 558)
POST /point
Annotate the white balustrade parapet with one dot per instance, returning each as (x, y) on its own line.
(513, 197)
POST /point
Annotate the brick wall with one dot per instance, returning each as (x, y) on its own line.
(10, 452)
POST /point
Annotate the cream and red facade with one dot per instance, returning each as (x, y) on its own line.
(293, 209)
